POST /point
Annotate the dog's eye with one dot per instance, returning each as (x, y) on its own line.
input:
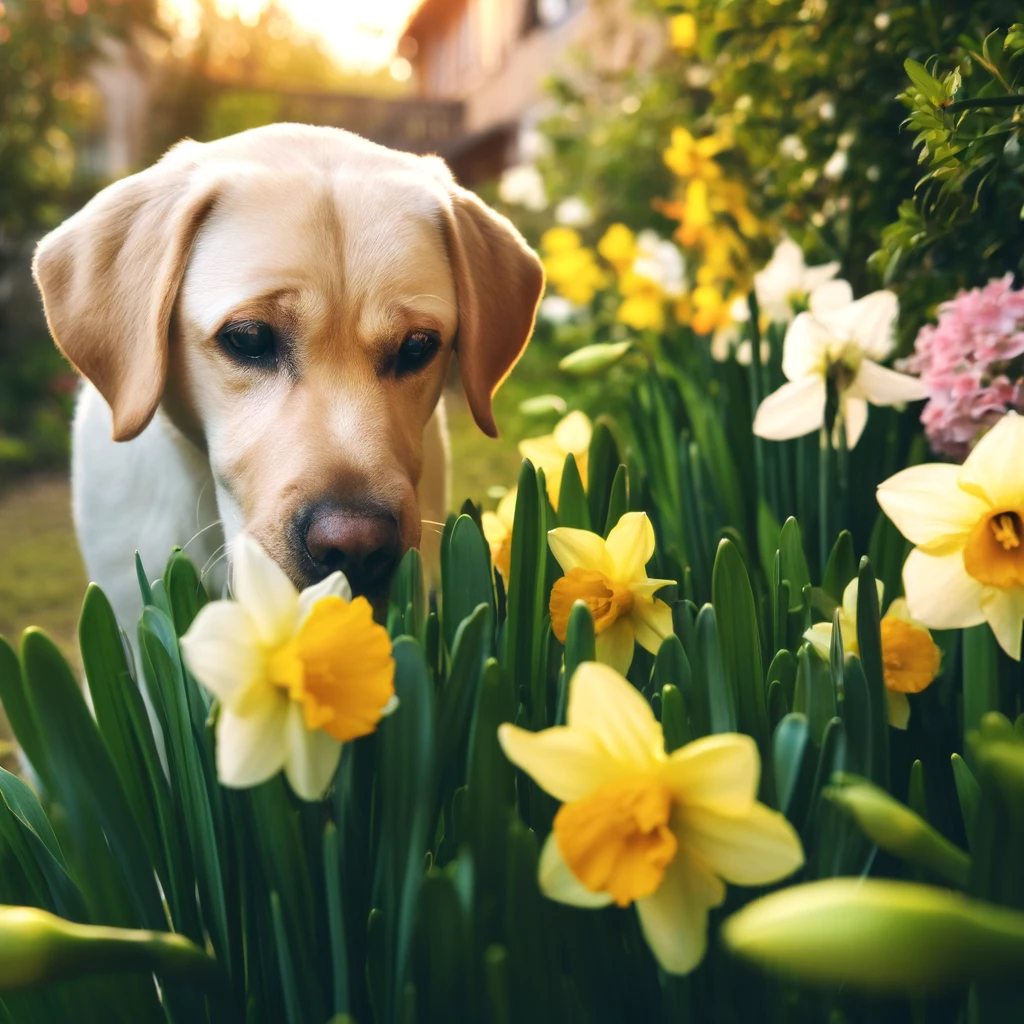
(249, 341)
(416, 351)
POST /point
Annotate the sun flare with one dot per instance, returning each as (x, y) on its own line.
(362, 37)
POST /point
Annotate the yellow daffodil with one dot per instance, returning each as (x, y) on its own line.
(694, 158)
(643, 302)
(611, 577)
(695, 214)
(570, 436)
(637, 825)
(682, 29)
(910, 658)
(618, 247)
(296, 674)
(571, 268)
(967, 523)
(498, 533)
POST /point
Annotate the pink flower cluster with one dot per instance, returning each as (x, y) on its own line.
(971, 363)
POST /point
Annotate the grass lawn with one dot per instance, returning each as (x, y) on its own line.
(42, 581)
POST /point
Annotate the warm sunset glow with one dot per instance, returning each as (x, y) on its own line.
(361, 36)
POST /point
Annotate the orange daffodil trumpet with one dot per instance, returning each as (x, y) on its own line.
(910, 658)
(610, 576)
(297, 675)
(637, 825)
(967, 523)
(839, 341)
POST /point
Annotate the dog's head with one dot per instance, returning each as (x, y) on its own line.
(293, 297)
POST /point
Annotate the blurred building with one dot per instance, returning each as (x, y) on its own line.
(492, 57)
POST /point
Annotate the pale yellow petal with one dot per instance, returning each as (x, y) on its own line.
(567, 762)
(614, 646)
(720, 771)
(573, 433)
(993, 470)
(544, 452)
(819, 636)
(855, 419)
(652, 623)
(899, 709)
(797, 408)
(829, 296)
(675, 918)
(557, 881)
(223, 650)
(647, 588)
(579, 549)
(312, 757)
(850, 594)
(335, 585)
(805, 349)
(261, 587)
(929, 508)
(752, 848)
(612, 709)
(1004, 612)
(630, 544)
(495, 531)
(251, 748)
(940, 592)
(506, 510)
(886, 387)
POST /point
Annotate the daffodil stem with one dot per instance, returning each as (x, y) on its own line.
(755, 393)
(842, 481)
(824, 498)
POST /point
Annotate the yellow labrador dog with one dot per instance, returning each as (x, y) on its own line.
(265, 325)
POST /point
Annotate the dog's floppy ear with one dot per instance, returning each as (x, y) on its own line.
(498, 283)
(109, 277)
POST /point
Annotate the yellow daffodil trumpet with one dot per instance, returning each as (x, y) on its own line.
(910, 658)
(967, 525)
(297, 675)
(639, 826)
(610, 576)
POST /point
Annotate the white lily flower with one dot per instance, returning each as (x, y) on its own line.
(841, 340)
(296, 674)
(787, 279)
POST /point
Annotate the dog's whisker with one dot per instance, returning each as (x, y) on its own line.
(431, 522)
(199, 533)
(213, 561)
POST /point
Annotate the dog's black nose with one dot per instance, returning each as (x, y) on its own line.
(364, 546)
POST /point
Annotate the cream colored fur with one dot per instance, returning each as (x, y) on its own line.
(343, 247)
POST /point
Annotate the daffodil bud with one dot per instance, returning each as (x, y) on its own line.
(898, 829)
(36, 946)
(594, 358)
(879, 936)
(542, 405)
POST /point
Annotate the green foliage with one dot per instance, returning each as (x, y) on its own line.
(961, 227)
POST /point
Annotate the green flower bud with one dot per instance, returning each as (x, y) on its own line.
(878, 935)
(594, 358)
(36, 946)
(543, 405)
(898, 829)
